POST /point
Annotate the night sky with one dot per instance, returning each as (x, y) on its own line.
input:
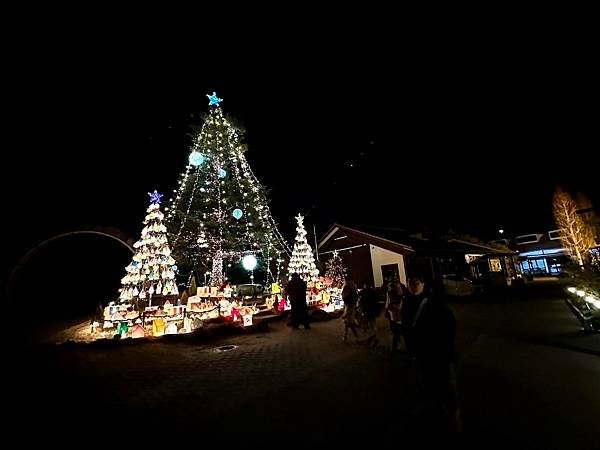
(470, 137)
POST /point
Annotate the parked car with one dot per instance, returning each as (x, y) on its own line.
(251, 293)
(457, 285)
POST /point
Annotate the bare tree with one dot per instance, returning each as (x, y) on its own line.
(577, 234)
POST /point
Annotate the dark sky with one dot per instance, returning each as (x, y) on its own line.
(472, 136)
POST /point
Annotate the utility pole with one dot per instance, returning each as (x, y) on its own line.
(316, 245)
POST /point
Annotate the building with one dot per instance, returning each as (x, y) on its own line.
(541, 253)
(369, 258)
(374, 255)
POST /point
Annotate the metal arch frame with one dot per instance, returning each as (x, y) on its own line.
(34, 250)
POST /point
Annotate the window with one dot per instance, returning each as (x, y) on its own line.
(555, 234)
(495, 265)
(528, 239)
(534, 266)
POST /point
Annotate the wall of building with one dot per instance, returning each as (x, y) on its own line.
(380, 257)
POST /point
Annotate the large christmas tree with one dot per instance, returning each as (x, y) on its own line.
(303, 260)
(219, 214)
(151, 271)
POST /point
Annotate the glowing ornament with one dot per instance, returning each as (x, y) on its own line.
(196, 158)
(222, 173)
(237, 213)
(213, 100)
(249, 262)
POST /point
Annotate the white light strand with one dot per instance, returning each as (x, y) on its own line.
(189, 205)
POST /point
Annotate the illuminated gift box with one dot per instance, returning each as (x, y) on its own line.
(275, 288)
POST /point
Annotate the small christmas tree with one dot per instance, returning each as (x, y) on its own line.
(151, 271)
(334, 269)
(302, 260)
(193, 286)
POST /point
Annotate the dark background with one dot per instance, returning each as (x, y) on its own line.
(471, 135)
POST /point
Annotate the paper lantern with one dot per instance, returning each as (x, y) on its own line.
(138, 332)
(158, 327)
(247, 320)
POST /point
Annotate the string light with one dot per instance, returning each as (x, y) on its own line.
(224, 166)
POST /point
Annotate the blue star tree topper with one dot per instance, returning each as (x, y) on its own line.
(213, 100)
(155, 197)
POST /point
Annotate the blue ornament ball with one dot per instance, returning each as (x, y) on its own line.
(237, 213)
(196, 158)
(222, 173)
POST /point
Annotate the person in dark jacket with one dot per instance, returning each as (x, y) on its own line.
(393, 312)
(430, 330)
(350, 299)
(368, 304)
(295, 292)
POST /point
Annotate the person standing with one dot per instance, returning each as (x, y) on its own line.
(295, 292)
(350, 299)
(430, 331)
(368, 304)
(393, 308)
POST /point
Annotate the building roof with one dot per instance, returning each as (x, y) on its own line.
(380, 241)
(417, 243)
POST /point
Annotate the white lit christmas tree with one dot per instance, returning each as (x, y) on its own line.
(219, 214)
(151, 271)
(302, 260)
(335, 269)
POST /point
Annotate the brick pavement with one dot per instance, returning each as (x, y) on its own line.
(278, 381)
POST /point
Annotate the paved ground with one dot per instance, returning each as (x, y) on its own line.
(527, 377)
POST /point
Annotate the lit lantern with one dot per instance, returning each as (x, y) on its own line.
(249, 262)
(247, 320)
